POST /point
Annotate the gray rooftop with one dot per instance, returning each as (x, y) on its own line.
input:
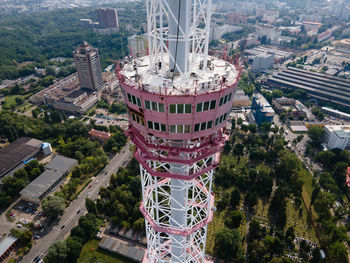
(54, 170)
(342, 134)
(127, 250)
(20, 150)
(61, 163)
(6, 243)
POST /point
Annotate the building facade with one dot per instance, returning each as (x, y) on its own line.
(337, 136)
(261, 110)
(263, 62)
(107, 18)
(87, 62)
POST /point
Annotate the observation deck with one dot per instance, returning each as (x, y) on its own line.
(218, 75)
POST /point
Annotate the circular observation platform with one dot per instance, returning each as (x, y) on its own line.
(186, 107)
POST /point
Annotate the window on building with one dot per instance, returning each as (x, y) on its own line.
(156, 126)
(207, 105)
(179, 128)
(155, 106)
(134, 100)
(180, 108)
(225, 99)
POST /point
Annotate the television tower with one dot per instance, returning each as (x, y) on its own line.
(178, 99)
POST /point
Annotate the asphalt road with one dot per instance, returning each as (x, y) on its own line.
(71, 216)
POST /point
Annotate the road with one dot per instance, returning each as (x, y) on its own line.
(71, 216)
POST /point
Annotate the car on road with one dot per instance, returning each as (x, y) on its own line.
(96, 182)
(90, 185)
(63, 226)
(78, 211)
(36, 259)
(36, 237)
(19, 225)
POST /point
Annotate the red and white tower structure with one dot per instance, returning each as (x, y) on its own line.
(178, 100)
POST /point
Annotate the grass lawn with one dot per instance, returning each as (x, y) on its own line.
(90, 253)
(10, 101)
(12, 260)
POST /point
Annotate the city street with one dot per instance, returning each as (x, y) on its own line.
(77, 207)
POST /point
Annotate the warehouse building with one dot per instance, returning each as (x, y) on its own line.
(6, 246)
(17, 153)
(316, 85)
(49, 180)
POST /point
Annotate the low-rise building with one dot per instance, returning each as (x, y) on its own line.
(99, 135)
(337, 136)
(49, 180)
(17, 153)
(6, 246)
(240, 100)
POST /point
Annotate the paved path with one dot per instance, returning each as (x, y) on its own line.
(71, 216)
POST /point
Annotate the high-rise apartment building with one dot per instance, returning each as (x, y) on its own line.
(88, 66)
(107, 18)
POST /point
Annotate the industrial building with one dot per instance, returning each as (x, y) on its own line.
(17, 153)
(279, 55)
(337, 136)
(6, 246)
(87, 62)
(316, 85)
(261, 109)
(263, 62)
(336, 113)
(55, 171)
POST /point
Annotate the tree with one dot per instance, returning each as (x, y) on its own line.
(277, 209)
(255, 231)
(326, 158)
(235, 198)
(90, 206)
(57, 253)
(233, 219)
(337, 253)
(251, 199)
(228, 244)
(315, 133)
(53, 206)
(265, 126)
(74, 247)
(252, 128)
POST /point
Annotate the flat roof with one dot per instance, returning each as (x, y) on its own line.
(336, 112)
(75, 94)
(61, 163)
(41, 184)
(55, 169)
(20, 150)
(342, 133)
(128, 250)
(6, 243)
(317, 85)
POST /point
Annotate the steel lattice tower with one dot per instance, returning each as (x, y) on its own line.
(178, 100)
